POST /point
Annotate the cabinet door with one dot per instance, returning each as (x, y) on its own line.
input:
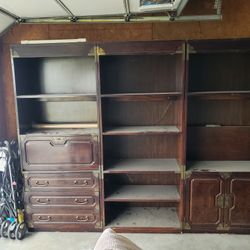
(204, 202)
(59, 153)
(238, 202)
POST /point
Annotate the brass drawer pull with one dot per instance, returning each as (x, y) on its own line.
(44, 219)
(84, 183)
(58, 141)
(44, 184)
(45, 202)
(82, 218)
(219, 202)
(84, 201)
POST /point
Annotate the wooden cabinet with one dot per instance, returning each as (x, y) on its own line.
(56, 99)
(109, 131)
(238, 202)
(217, 202)
(204, 202)
(218, 136)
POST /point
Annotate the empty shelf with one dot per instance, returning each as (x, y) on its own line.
(64, 132)
(141, 165)
(60, 97)
(147, 193)
(143, 96)
(147, 217)
(219, 166)
(134, 130)
(221, 95)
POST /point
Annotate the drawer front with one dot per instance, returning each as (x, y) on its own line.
(84, 221)
(43, 201)
(73, 182)
(66, 218)
(59, 153)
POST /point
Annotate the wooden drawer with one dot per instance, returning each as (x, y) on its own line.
(85, 183)
(86, 220)
(42, 153)
(52, 201)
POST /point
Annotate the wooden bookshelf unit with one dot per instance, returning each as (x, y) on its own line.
(137, 136)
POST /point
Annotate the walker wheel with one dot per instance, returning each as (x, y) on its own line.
(12, 230)
(20, 231)
(4, 228)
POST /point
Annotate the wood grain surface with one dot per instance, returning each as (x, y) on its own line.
(235, 24)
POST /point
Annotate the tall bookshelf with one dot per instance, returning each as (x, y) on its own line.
(142, 96)
(58, 130)
(218, 137)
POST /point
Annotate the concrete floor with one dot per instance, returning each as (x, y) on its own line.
(86, 241)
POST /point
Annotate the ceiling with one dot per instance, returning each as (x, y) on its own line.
(40, 11)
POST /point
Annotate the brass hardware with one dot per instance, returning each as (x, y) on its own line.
(82, 202)
(182, 175)
(187, 226)
(44, 184)
(47, 201)
(95, 138)
(58, 141)
(84, 218)
(225, 175)
(229, 200)
(96, 51)
(222, 227)
(188, 175)
(191, 49)
(14, 53)
(83, 183)
(226, 227)
(44, 219)
(219, 202)
(100, 51)
(98, 224)
(224, 201)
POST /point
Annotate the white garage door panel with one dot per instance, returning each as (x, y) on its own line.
(95, 7)
(5, 22)
(33, 8)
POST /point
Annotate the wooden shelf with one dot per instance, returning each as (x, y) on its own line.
(218, 126)
(221, 95)
(161, 96)
(144, 193)
(61, 131)
(137, 130)
(219, 166)
(141, 165)
(147, 217)
(60, 97)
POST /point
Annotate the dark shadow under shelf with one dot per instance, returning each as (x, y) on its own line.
(141, 165)
(220, 95)
(137, 130)
(160, 96)
(147, 217)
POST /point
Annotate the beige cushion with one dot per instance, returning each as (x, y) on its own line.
(110, 240)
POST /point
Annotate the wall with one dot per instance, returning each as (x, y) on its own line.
(2, 99)
(235, 24)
